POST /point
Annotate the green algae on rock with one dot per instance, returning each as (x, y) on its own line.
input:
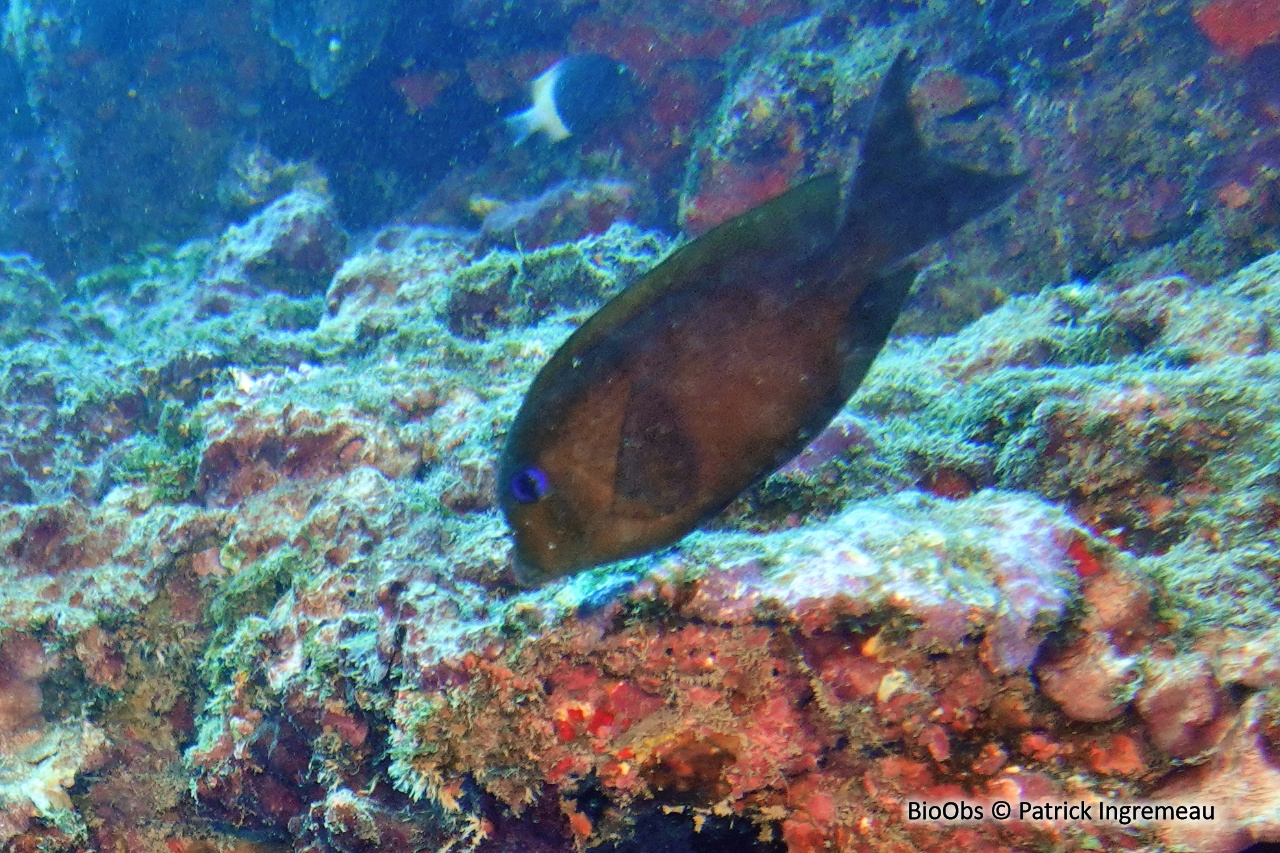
(324, 626)
(28, 299)
(36, 769)
(338, 581)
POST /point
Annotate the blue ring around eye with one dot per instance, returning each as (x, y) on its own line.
(529, 485)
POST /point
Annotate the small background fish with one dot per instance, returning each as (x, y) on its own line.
(575, 96)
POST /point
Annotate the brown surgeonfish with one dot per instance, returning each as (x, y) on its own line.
(724, 360)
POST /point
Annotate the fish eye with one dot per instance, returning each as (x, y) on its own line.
(529, 485)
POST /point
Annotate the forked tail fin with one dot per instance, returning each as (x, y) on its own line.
(902, 197)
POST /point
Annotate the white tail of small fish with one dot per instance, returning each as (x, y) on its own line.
(522, 125)
(542, 115)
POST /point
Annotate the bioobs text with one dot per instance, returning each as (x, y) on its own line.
(948, 811)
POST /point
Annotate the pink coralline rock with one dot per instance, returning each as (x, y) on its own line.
(23, 662)
(102, 660)
(1179, 700)
(1010, 583)
(1118, 604)
(403, 270)
(50, 538)
(294, 246)
(1241, 780)
(1091, 680)
(566, 212)
(256, 444)
(95, 562)
(1205, 324)
(945, 96)
(1252, 660)
(36, 769)
(840, 438)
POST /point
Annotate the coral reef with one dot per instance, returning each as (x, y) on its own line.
(281, 583)
(27, 298)
(562, 214)
(256, 592)
(294, 246)
(1130, 116)
(1104, 191)
(739, 687)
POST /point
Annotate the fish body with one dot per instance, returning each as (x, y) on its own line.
(724, 360)
(574, 96)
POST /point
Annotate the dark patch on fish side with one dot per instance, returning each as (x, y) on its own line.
(657, 462)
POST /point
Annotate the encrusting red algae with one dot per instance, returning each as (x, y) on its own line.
(257, 588)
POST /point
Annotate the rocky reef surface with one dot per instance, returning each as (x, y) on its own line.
(256, 590)
(255, 593)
